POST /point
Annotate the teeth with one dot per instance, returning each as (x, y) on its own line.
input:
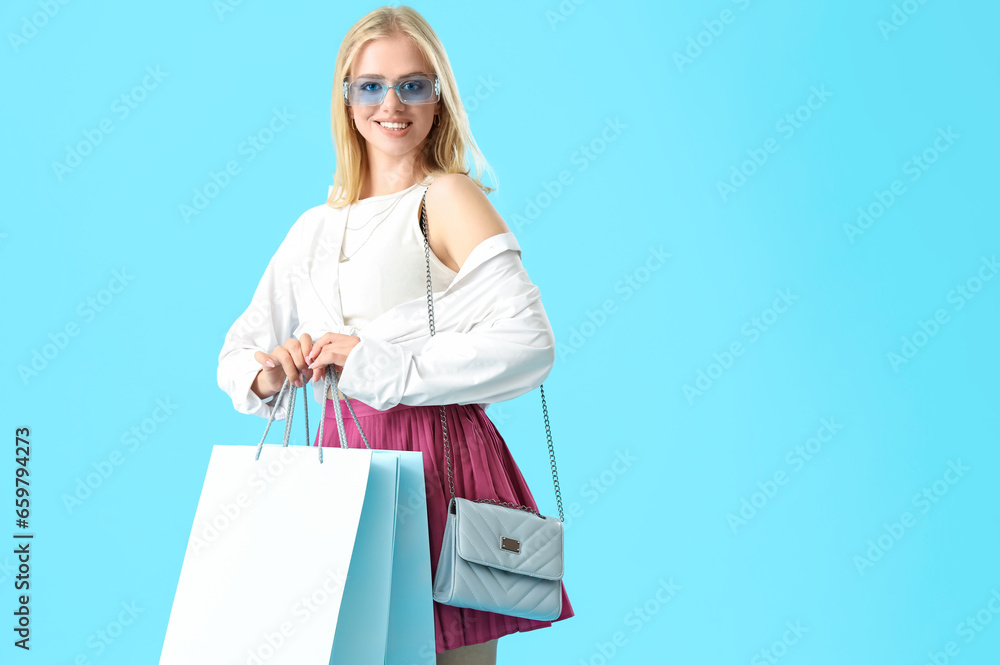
(394, 125)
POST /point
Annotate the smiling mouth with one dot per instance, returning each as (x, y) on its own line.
(404, 125)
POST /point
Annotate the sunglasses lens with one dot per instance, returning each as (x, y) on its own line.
(416, 90)
(371, 92)
(365, 92)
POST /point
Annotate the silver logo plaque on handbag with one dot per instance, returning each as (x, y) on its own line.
(495, 556)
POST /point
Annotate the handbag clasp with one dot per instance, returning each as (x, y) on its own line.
(510, 544)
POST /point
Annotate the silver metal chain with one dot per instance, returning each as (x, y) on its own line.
(444, 418)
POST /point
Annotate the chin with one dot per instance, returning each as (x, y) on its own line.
(398, 149)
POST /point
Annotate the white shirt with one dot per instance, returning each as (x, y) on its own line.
(492, 342)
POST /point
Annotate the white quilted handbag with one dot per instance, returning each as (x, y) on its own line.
(495, 556)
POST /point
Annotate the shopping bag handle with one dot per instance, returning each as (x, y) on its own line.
(330, 374)
(330, 380)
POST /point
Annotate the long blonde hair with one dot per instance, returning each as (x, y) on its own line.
(445, 146)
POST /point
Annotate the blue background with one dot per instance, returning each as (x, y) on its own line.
(541, 82)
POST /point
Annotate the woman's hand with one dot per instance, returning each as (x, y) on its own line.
(285, 361)
(330, 349)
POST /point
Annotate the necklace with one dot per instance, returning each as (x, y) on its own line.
(388, 211)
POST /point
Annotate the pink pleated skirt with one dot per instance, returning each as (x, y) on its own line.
(483, 468)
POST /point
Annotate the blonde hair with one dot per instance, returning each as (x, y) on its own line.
(444, 147)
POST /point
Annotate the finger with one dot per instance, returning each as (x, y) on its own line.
(287, 364)
(305, 341)
(264, 359)
(323, 340)
(306, 344)
(319, 372)
(329, 356)
(320, 361)
(295, 350)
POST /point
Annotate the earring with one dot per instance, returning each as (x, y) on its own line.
(437, 120)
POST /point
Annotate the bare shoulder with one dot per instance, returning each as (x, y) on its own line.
(459, 217)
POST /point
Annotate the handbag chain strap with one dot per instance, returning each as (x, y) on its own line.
(444, 418)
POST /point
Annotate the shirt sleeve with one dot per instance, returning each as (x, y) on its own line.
(269, 320)
(495, 343)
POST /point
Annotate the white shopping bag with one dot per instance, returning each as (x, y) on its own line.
(296, 561)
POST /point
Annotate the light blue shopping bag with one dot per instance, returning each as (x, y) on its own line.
(387, 610)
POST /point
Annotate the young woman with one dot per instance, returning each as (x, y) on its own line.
(401, 135)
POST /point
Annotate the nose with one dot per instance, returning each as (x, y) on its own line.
(392, 99)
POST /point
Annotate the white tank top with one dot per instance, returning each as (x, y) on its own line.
(382, 262)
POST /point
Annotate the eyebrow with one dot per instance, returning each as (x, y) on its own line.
(379, 76)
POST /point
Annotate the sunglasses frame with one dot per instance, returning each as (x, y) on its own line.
(386, 88)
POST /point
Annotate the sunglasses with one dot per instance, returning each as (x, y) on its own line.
(371, 91)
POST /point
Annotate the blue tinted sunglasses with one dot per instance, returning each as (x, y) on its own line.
(371, 91)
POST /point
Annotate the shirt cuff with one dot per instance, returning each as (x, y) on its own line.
(375, 372)
(242, 371)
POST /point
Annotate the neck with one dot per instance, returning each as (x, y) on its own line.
(387, 175)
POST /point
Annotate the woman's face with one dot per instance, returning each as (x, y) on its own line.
(392, 58)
